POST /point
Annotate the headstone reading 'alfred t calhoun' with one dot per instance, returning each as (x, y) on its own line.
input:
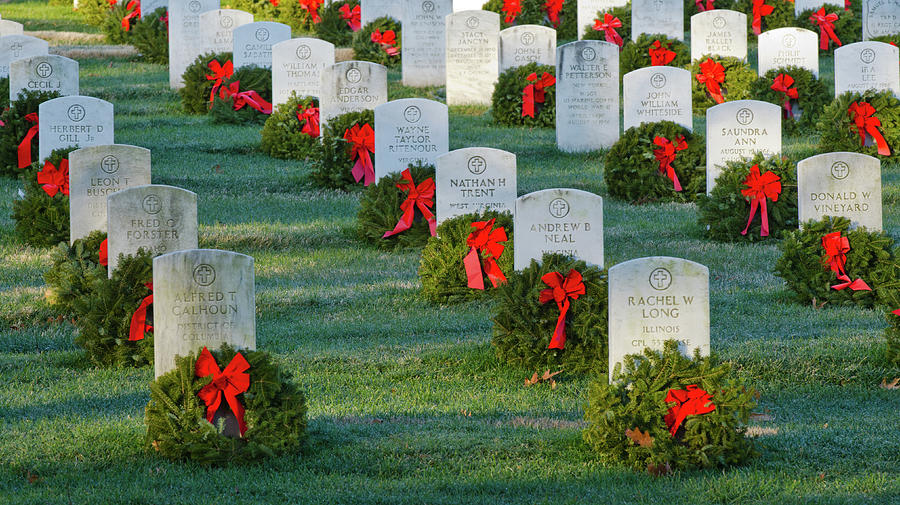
(473, 40)
(665, 17)
(737, 130)
(370, 10)
(351, 86)
(660, 93)
(655, 299)
(866, 65)
(783, 47)
(409, 131)
(424, 41)
(297, 66)
(523, 44)
(74, 121)
(475, 179)
(8, 27)
(217, 29)
(587, 95)
(201, 298)
(719, 32)
(185, 36)
(96, 172)
(588, 9)
(562, 221)
(880, 18)
(43, 73)
(840, 184)
(253, 42)
(155, 217)
(13, 47)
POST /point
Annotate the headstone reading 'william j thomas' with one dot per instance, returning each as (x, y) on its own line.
(185, 36)
(660, 93)
(562, 221)
(740, 129)
(523, 44)
(424, 41)
(866, 65)
(253, 43)
(719, 32)
(43, 73)
(351, 86)
(13, 47)
(587, 95)
(783, 47)
(409, 131)
(475, 179)
(297, 66)
(74, 121)
(840, 184)
(473, 40)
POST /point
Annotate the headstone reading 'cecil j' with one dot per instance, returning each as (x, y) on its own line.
(43, 73)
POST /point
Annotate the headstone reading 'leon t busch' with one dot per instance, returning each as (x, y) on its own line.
(409, 131)
(880, 18)
(424, 41)
(201, 298)
(13, 47)
(655, 299)
(473, 40)
(475, 179)
(43, 73)
(665, 17)
(185, 42)
(562, 221)
(588, 9)
(253, 42)
(660, 93)
(8, 27)
(217, 29)
(351, 86)
(74, 121)
(866, 65)
(737, 130)
(840, 184)
(297, 66)
(719, 32)
(790, 46)
(587, 95)
(96, 172)
(523, 44)
(370, 10)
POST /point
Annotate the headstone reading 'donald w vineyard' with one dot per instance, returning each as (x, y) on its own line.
(13, 47)
(737, 130)
(43, 73)
(587, 95)
(866, 65)
(424, 41)
(665, 17)
(783, 47)
(370, 10)
(408, 131)
(588, 9)
(719, 32)
(840, 184)
(8, 27)
(185, 37)
(351, 86)
(74, 121)
(880, 18)
(523, 44)
(660, 93)
(217, 29)
(473, 40)
(563, 221)
(297, 66)
(253, 42)
(475, 179)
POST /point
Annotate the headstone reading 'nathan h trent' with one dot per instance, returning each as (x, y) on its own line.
(409, 131)
(562, 221)
(475, 179)
(840, 184)
(74, 121)
(43, 73)
(473, 40)
(297, 66)
(587, 95)
(424, 41)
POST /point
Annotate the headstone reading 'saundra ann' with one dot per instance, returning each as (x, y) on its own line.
(587, 95)
(563, 221)
(96, 172)
(866, 65)
(297, 66)
(880, 18)
(74, 121)
(660, 93)
(13, 47)
(409, 131)
(351, 86)
(475, 179)
(370, 10)
(253, 42)
(424, 40)
(43, 73)
(783, 47)
(523, 44)
(8, 27)
(588, 9)
(655, 299)
(217, 29)
(737, 130)
(201, 298)
(185, 36)
(473, 40)
(665, 17)
(840, 184)
(719, 32)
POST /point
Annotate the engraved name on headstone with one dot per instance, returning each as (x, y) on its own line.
(253, 42)
(719, 32)
(840, 184)
(409, 131)
(185, 35)
(43, 73)
(297, 66)
(866, 65)
(587, 95)
(217, 29)
(473, 40)
(880, 18)
(783, 47)
(562, 221)
(737, 130)
(475, 179)
(424, 42)
(660, 93)
(351, 86)
(665, 17)
(74, 121)
(523, 44)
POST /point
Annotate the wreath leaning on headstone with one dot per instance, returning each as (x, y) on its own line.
(867, 123)
(73, 270)
(623, 27)
(42, 215)
(831, 21)
(340, 20)
(560, 15)
(292, 130)
(20, 124)
(665, 412)
(799, 94)
(347, 149)
(525, 96)
(772, 14)
(202, 78)
(653, 50)
(395, 201)
(272, 409)
(379, 42)
(245, 97)
(717, 80)
(150, 36)
(893, 40)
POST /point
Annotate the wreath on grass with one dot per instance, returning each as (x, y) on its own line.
(245, 97)
(201, 77)
(529, 320)
(717, 80)
(525, 96)
(781, 14)
(340, 20)
(799, 94)
(867, 123)
(42, 215)
(94, 12)
(292, 131)
(150, 36)
(559, 14)
(113, 26)
(73, 270)
(443, 271)
(379, 42)
(651, 161)
(734, 212)
(622, 13)
(653, 50)
(667, 412)
(391, 201)
(335, 158)
(826, 262)
(272, 407)
(846, 25)
(20, 121)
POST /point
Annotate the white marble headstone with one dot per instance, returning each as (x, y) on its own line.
(253, 42)
(466, 5)
(13, 47)
(719, 32)
(370, 10)
(866, 65)
(840, 184)
(587, 95)
(880, 17)
(149, 6)
(185, 36)
(80, 121)
(297, 66)
(473, 40)
(408, 131)
(475, 179)
(424, 41)
(8, 27)
(217, 29)
(665, 17)
(523, 44)
(351, 86)
(562, 221)
(790, 46)
(43, 73)
(660, 93)
(737, 130)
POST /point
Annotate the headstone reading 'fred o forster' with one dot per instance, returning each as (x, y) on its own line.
(840, 184)
(475, 179)
(74, 121)
(562, 221)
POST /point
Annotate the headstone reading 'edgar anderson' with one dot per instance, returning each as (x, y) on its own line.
(77, 121)
(351, 86)
(297, 66)
(880, 18)
(740, 129)
(660, 93)
(475, 179)
(43, 73)
(13, 47)
(424, 41)
(409, 131)
(185, 36)
(665, 17)
(563, 221)
(201, 298)
(523, 44)
(473, 40)
(96, 172)
(719, 32)
(840, 184)
(783, 47)
(655, 299)
(253, 43)
(587, 95)
(217, 29)
(866, 65)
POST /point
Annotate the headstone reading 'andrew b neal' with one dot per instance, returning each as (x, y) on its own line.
(587, 95)
(475, 179)
(409, 131)
(43, 73)
(562, 221)
(74, 121)
(739, 129)
(840, 184)
(424, 41)
(783, 47)
(660, 93)
(297, 66)
(473, 40)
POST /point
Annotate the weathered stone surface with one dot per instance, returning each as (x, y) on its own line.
(473, 40)
(253, 42)
(737, 130)
(409, 131)
(587, 95)
(840, 184)
(80, 121)
(424, 42)
(523, 44)
(43, 73)
(297, 66)
(562, 221)
(475, 179)
(185, 36)
(660, 93)
(351, 86)
(719, 32)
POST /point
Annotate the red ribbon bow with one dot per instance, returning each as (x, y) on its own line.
(863, 116)
(759, 188)
(783, 83)
(362, 145)
(826, 28)
(560, 290)
(710, 5)
(484, 239)
(760, 9)
(24, 150)
(836, 249)
(665, 155)
(103, 256)
(113, 3)
(387, 41)
(135, 7)
(534, 93)
(274, 3)
(165, 19)
(139, 324)
(53, 180)
(660, 55)
(511, 8)
(352, 17)
(553, 8)
(312, 7)
(690, 401)
(252, 99)
(309, 118)
(609, 25)
(712, 74)
(229, 383)
(421, 196)
(219, 72)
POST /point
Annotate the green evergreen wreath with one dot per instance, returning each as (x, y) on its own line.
(636, 54)
(523, 327)
(251, 77)
(782, 15)
(274, 411)
(623, 12)
(73, 271)
(104, 317)
(507, 98)
(333, 27)
(93, 12)
(839, 133)
(739, 77)
(893, 40)
(195, 93)
(441, 269)
(804, 268)
(636, 404)
(42, 220)
(17, 127)
(631, 170)
(150, 36)
(848, 26)
(366, 50)
(290, 13)
(379, 211)
(332, 162)
(112, 24)
(4, 93)
(534, 13)
(282, 135)
(724, 212)
(812, 97)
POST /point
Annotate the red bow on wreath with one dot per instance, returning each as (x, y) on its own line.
(609, 25)
(836, 249)
(553, 8)
(24, 150)
(782, 84)
(352, 17)
(863, 116)
(487, 240)
(560, 290)
(712, 74)
(53, 180)
(511, 8)
(139, 324)
(241, 98)
(421, 196)
(113, 3)
(760, 188)
(710, 5)
(387, 41)
(312, 8)
(362, 145)
(219, 72)
(135, 7)
(309, 118)
(660, 55)
(103, 256)
(665, 155)
(229, 383)
(165, 19)
(534, 93)
(826, 28)
(690, 401)
(274, 3)
(760, 9)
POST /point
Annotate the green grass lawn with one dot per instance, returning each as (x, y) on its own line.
(407, 403)
(58, 15)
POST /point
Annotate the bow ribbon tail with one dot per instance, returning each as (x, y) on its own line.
(493, 272)
(139, 320)
(363, 167)
(857, 285)
(760, 203)
(103, 255)
(670, 173)
(406, 219)
(474, 275)
(255, 101)
(883, 148)
(528, 101)
(715, 91)
(559, 334)
(24, 150)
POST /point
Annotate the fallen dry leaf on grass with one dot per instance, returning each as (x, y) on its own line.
(547, 377)
(641, 439)
(893, 385)
(659, 470)
(817, 305)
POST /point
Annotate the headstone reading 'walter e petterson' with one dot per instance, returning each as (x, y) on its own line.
(719, 32)
(217, 29)
(655, 299)
(880, 18)
(253, 42)
(840, 184)
(74, 121)
(424, 40)
(665, 17)
(660, 93)
(351, 86)
(409, 131)
(783, 47)
(201, 298)
(184, 35)
(96, 172)
(297, 66)
(473, 40)
(587, 95)
(562, 221)
(13, 47)
(737, 130)
(43, 73)
(866, 65)
(523, 44)
(475, 179)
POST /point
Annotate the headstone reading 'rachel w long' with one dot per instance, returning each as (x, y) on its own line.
(13, 47)
(655, 299)
(409, 131)
(523, 44)
(74, 121)
(587, 95)
(297, 66)
(783, 47)
(719, 32)
(840, 184)
(562, 221)
(351, 86)
(253, 42)
(880, 18)
(665, 17)
(473, 40)
(370, 10)
(201, 298)
(217, 29)
(8, 27)
(96, 172)
(475, 179)
(185, 36)
(43, 73)
(660, 93)
(737, 130)
(866, 65)
(588, 9)
(424, 41)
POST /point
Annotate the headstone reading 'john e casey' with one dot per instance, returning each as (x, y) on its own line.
(185, 36)
(866, 65)
(563, 221)
(739, 129)
(880, 18)
(473, 40)
(783, 47)
(217, 29)
(43, 73)
(424, 41)
(253, 42)
(665, 17)
(587, 95)
(660, 93)
(351, 86)
(475, 179)
(370, 10)
(840, 184)
(13, 47)
(588, 9)
(201, 298)
(523, 44)
(79, 121)
(655, 299)
(408, 131)
(719, 32)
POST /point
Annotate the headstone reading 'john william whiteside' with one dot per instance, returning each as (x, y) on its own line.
(840, 184)
(866, 65)
(719, 32)
(370, 10)
(739, 129)
(588, 9)
(475, 179)
(660, 93)
(201, 298)
(523, 44)
(424, 41)
(8, 27)
(587, 95)
(43, 73)
(880, 18)
(253, 42)
(96, 172)
(351, 86)
(655, 299)
(665, 17)
(217, 29)
(184, 35)
(76, 121)
(473, 40)
(562, 221)
(13, 47)
(783, 47)
(409, 131)
(297, 66)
